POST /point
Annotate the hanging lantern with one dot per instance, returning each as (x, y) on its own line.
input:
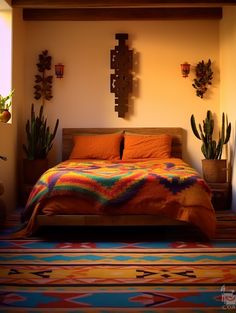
(185, 69)
(59, 70)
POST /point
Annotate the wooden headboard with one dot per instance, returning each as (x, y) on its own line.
(175, 132)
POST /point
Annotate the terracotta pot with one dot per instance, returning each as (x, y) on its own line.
(5, 115)
(33, 169)
(214, 171)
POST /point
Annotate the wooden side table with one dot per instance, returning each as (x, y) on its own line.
(221, 195)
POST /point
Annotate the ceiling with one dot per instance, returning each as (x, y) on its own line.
(113, 3)
(120, 9)
(4, 5)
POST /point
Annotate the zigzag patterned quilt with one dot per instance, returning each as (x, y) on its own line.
(170, 187)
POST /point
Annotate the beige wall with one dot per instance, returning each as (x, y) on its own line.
(228, 74)
(162, 97)
(82, 98)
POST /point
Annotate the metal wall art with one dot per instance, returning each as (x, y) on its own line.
(43, 87)
(122, 80)
(204, 76)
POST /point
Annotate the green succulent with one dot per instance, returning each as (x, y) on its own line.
(211, 148)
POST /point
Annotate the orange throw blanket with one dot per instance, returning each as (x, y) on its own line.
(168, 187)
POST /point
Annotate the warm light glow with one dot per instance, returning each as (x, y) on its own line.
(5, 53)
(185, 69)
(59, 70)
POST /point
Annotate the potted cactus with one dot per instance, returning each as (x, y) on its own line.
(213, 167)
(39, 143)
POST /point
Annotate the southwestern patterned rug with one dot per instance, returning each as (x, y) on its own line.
(47, 273)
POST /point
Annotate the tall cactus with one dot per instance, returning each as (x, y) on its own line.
(39, 137)
(210, 148)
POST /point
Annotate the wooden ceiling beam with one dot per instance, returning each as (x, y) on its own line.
(115, 3)
(106, 14)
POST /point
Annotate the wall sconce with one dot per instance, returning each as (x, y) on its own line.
(59, 70)
(185, 69)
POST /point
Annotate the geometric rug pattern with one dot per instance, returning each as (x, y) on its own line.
(51, 274)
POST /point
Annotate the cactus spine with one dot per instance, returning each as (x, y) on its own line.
(39, 137)
(210, 148)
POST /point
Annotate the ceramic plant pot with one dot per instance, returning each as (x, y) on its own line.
(5, 115)
(33, 169)
(214, 171)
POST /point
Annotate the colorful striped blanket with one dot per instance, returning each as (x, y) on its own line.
(169, 186)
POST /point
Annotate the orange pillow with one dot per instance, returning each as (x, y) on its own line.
(104, 147)
(146, 146)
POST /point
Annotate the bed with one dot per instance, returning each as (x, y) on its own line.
(144, 182)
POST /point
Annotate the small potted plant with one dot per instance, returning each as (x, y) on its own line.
(213, 167)
(5, 104)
